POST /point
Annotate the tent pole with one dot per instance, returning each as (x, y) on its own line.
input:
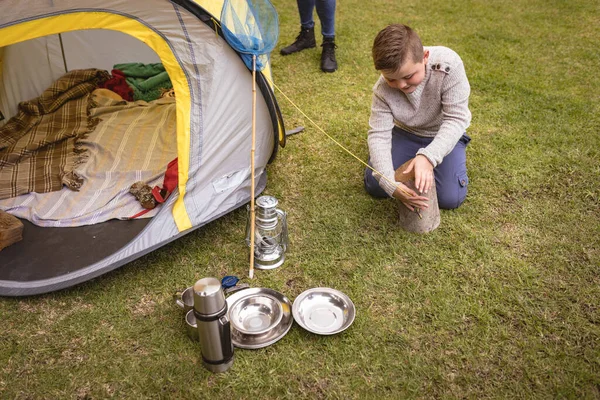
(252, 219)
(62, 50)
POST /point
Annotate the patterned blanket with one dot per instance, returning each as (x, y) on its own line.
(134, 141)
(39, 146)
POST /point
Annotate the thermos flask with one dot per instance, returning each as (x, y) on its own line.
(214, 327)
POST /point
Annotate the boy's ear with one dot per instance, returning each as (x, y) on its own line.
(425, 56)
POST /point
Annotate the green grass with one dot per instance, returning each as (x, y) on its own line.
(501, 301)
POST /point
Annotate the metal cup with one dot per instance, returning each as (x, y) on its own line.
(185, 299)
(191, 326)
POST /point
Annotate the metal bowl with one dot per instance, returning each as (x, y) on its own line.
(279, 330)
(254, 314)
(324, 311)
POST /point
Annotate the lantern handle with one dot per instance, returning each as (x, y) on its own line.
(248, 224)
(284, 230)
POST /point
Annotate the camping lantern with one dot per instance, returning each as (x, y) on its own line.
(270, 233)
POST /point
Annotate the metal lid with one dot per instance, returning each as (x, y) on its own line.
(208, 296)
(267, 202)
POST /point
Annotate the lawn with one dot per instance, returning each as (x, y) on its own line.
(501, 301)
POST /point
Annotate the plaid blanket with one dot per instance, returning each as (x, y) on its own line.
(38, 146)
(134, 141)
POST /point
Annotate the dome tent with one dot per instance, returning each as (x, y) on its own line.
(40, 42)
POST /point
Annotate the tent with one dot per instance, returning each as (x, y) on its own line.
(206, 127)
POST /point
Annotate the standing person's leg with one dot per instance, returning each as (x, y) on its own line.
(306, 38)
(451, 180)
(306, 8)
(404, 147)
(326, 13)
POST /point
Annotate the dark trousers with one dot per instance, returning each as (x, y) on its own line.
(325, 11)
(451, 178)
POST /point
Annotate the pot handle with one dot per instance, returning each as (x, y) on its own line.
(236, 288)
(177, 296)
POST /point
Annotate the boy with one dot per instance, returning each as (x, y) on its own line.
(420, 109)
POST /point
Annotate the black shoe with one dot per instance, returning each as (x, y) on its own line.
(328, 61)
(305, 40)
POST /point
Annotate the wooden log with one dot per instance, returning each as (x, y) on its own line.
(410, 220)
(11, 229)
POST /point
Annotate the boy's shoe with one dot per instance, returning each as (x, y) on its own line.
(328, 61)
(305, 40)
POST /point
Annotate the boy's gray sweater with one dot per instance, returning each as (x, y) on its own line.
(438, 108)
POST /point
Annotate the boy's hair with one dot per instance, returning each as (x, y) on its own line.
(393, 45)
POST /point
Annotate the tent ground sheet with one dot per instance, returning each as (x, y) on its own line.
(47, 253)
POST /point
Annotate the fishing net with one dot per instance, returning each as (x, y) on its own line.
(252, 28)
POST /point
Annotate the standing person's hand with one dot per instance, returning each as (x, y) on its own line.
(424, 177)
(410, 198)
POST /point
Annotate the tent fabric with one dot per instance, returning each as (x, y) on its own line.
(214, 9)
(193, 57)
(40, 58)
(213, 102)
(209, 12)
(53, 18)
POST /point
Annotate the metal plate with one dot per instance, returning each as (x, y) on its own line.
(245, 341)
(324, 311)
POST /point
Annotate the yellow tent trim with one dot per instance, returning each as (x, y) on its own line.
(103, 20)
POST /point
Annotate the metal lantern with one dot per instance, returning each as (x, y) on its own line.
(270, 233)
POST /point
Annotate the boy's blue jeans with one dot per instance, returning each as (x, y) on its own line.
(451, 179)
(325, 11)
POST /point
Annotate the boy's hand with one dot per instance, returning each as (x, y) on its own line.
(413, 201)
(424, 177)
